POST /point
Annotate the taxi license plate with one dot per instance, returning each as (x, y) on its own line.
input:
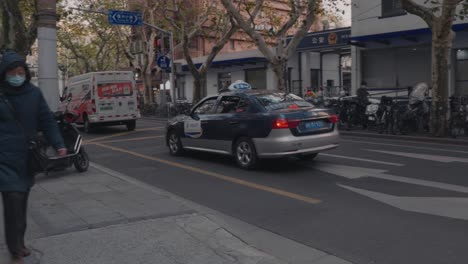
(314, 125)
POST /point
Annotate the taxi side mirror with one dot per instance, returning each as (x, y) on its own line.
(194, 116)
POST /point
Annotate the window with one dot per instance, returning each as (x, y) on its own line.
(224, 80)
(314, 79)
(256, 78)
(233, 44)
(232, 105)
(194, 44)
(276, 101)
(392, 8)
(206, 107)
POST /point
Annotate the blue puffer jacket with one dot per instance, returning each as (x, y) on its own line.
(33, 114)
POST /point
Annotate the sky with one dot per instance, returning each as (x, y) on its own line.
(342, 6)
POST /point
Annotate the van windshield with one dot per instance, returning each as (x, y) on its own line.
(115, 89)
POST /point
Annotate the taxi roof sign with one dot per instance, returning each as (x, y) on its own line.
(239, 85)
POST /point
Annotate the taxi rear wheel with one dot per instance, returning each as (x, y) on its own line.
(174, 144)
(245, 153)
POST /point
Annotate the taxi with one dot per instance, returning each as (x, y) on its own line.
(254, 124)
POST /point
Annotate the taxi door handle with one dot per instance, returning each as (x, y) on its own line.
(233, 122)
(204, 122)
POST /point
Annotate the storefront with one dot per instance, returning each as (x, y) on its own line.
(322, 61)
(393, 62)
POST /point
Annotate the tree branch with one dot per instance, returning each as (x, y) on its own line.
(244, 25)
(303, 29)
(218, 47)
(296, 12)
(419, 10)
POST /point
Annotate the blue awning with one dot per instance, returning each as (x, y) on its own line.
(230, 62)
(405, 34)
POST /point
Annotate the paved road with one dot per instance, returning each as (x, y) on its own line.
(370, 201)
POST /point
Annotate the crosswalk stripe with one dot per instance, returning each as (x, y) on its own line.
(404, 146)
(437, 158)
(361, 159)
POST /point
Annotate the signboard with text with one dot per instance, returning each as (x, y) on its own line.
(129, 18)
(114, 89)
(326, 39)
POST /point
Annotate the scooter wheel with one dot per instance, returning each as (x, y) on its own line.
(82, 161)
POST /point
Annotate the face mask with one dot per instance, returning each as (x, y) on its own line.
(15, 80)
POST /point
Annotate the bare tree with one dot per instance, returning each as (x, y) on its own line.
(439, 16)
(200, 20)
(301, 17)
(87, 42)
(19, 25)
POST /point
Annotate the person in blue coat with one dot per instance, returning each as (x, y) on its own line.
(23, 112)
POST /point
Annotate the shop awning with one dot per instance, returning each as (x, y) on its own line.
(411, 36)
(230, 62)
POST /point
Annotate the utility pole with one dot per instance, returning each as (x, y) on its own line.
(47, 55)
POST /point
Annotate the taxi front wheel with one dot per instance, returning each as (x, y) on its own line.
(245, 153)
(174, 144)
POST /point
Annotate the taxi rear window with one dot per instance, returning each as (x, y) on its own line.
(276, 101)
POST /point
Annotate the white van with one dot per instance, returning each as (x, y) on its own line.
(102, 98)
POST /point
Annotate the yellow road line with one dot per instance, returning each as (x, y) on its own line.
(219, 176)
(123, 140)
(123, 134)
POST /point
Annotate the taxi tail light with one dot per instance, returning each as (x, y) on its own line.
(282, 123)
(333, 119)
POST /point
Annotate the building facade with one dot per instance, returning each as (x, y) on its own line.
(392, 49)
(322, 62)
(239, 43)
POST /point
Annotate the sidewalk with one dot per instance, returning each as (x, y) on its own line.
(108, 218)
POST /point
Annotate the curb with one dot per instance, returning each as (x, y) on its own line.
(407, 138)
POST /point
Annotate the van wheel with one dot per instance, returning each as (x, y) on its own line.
(245, 153)
(131, 125)
(86, 124)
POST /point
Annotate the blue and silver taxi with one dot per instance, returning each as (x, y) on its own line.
(252, 125)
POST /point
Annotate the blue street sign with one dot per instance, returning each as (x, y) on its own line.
(164, 62)
(117, 17)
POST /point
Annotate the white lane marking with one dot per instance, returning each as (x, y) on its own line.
(351, 172)
(360, 159)
(437, 158)
(404, 146)
(441, 206)
(407, 141)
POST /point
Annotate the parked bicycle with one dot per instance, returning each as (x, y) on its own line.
(458, 123)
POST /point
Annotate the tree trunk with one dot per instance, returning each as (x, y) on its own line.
(441, 48)
(149, 98)
(199, 85)
(280, 70)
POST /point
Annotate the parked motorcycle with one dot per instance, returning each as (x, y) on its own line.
(76, 156)
(415, 118)
(372, 118)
